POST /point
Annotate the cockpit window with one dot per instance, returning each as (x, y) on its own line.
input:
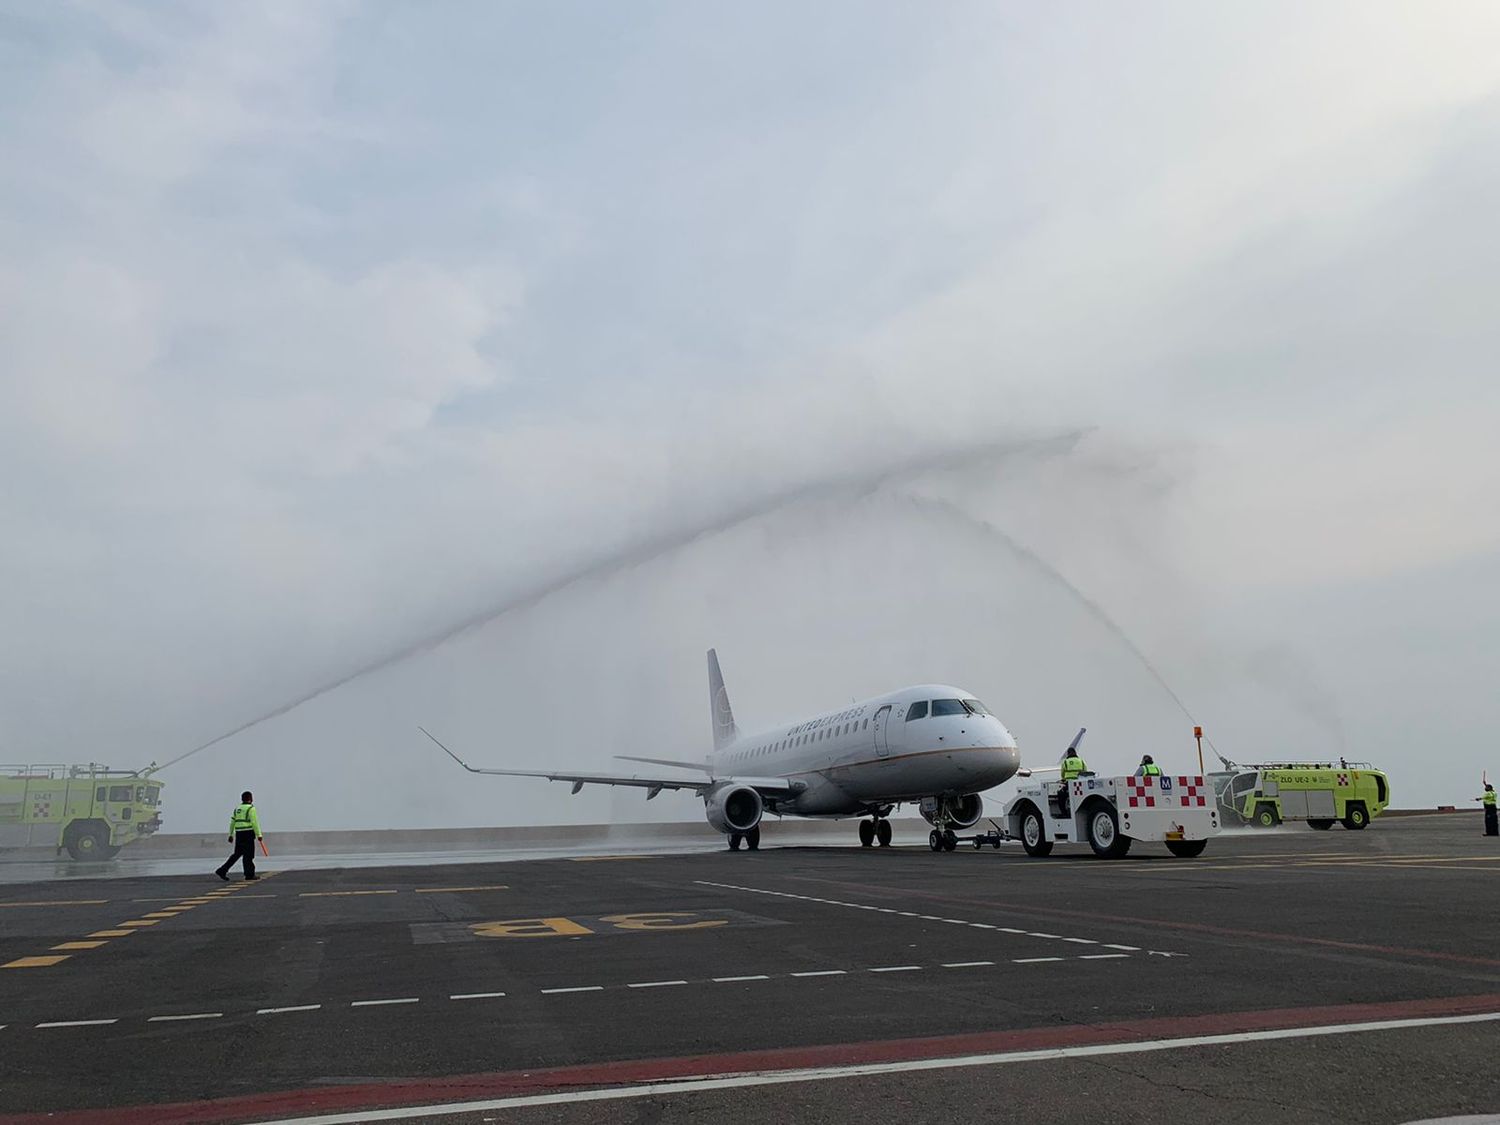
(917, 711)
(975, 707)
(947, 707)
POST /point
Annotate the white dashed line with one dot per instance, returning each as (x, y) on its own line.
(381, 1003)
(78, 1023)
(824, 973)
(656, 984)
(294, 1008)
(733, 980)
(966, 964)
(897, 969)
(476, 996)
(580, 988)
(1102, 956)
(194, 1016)
(932, 918)
(1033, 960)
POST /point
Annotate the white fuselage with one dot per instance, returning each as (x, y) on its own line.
(877, 753)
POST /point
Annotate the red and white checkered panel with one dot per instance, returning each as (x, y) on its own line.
(1143, 792)
(1191, 792)
(1343, 779)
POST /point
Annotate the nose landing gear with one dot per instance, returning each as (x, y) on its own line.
(942, 839)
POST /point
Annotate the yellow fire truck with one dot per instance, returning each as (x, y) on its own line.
(91, 810)
(1319, 793)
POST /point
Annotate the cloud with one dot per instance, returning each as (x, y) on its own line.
(323, 326)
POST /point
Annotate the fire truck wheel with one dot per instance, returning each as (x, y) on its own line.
(90, 842)
(883, 832)
(1265, 817)
(866, 834)
(1320, 824)
(1355, 817)
(1032, 836)
(1186, 849)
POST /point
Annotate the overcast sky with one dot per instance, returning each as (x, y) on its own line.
(324, 326)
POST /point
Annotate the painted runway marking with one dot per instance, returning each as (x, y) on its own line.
(703, 1083)
(111, 933)
(61, 902)
(801, 974)
(341, 894)
(1127, 948)
(35, 962)
(458, 890)
(78, 1023)
(909, 914)
(80, 945)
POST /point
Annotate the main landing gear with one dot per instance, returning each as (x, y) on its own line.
(750, 839)
(875, 831)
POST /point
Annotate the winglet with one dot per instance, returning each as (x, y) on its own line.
(445, 750)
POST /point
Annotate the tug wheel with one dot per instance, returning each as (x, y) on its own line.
(1033, 837)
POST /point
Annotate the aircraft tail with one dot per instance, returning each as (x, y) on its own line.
(725, 731)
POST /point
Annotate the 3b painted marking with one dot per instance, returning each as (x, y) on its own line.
(586, 925)
(569, 927)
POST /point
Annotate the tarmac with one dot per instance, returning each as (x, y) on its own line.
(1348, 976)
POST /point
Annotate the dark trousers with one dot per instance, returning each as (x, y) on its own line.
(1491, 821)
(244, 848)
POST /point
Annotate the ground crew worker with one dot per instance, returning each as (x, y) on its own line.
(1072, 767)
(244, 830)
(1491, 818)
(1148, 767)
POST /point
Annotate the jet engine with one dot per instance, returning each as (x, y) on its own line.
(735, 808)
(960, 812)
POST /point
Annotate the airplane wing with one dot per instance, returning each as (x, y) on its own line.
(765, 786)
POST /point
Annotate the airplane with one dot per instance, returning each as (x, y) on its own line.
(931, 744)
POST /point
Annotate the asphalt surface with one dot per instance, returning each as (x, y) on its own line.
(1351, 976)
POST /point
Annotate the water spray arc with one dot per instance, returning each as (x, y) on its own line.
(1037, 563)
(852, 485)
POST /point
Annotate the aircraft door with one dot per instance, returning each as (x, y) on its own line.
(882, 721)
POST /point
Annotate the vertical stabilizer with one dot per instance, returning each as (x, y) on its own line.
(718, 704)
